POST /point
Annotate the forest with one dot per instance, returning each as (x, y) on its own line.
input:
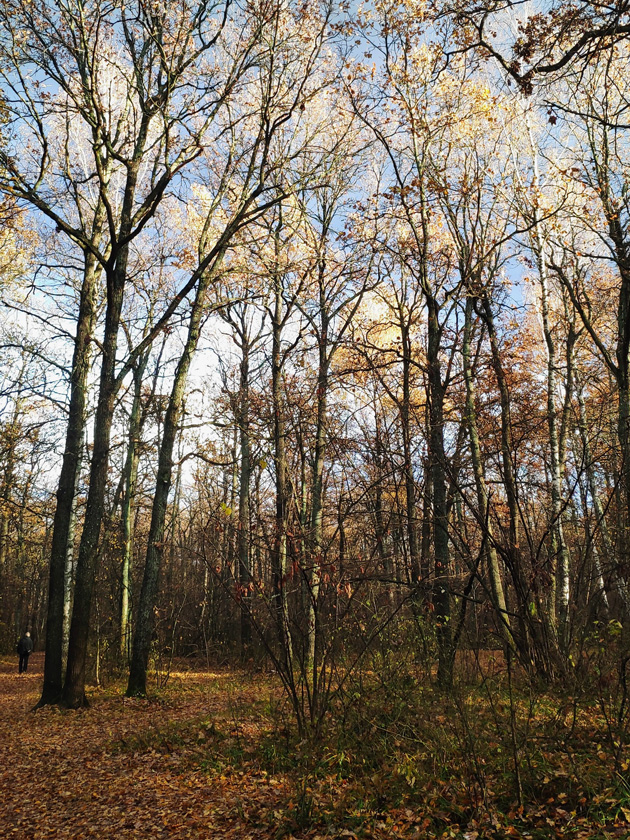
(315, 374)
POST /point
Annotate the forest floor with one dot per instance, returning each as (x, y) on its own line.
(209, 758)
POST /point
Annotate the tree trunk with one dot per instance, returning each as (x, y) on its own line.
(601, 524)
(116, 275)
(379, 514)
(66, 488)
(137, 685)
(410, 485)
(279, 552)
(74, 686)
(243, 540)
(492, 562)
(317, 505)
(559, 601)
(130, 475)
(68, 577)
(441, 593)
(536, 641)
(559, 549)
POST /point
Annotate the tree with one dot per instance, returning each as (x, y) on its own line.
(405, 108)
(122, 77)
(263, 162)
(559, 41)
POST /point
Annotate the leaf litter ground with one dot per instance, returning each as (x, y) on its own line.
(110, 771)
(191, 764)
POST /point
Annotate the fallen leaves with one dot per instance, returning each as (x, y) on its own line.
(73, 775)
(190, 767)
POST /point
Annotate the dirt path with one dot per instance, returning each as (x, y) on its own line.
(95, 774)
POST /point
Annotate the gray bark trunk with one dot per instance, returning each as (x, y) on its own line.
(130, 475)
(492, 561)
(243, 540)
(279, 553)
(155, 544)
(58, 597)
(441, 590)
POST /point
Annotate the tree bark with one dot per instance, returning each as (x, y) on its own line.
(559, 549)
(317, 504)
(410, 484)
(492, 561)
(130, 475)
(66, 488)
(243, 537)
(441, 590)
(74, 687)
(137, 684)
(279, 552)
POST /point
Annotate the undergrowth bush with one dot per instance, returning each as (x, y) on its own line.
(500, 740)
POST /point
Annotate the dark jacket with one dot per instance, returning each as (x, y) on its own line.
(25, 645)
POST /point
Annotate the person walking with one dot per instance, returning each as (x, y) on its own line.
(24, 648)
